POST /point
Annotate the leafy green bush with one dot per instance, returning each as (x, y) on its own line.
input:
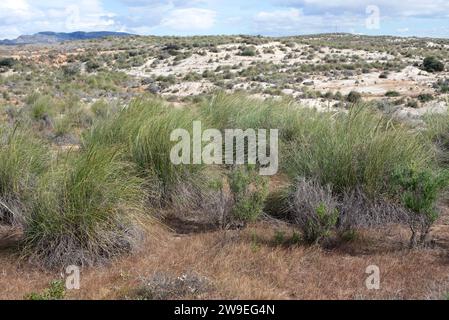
(432, 64)
(7, 62)
(354, 97)
(248, 52)
(249, 191)
(442, 85)
(40, 106)
(419, 192)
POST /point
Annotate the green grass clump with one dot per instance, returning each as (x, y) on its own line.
(238, 111)
(40, 106)
(142, 131)
(22, 159)
(85, 210)
(360, 149)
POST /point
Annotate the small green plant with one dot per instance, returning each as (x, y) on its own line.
(255, 243)
(279, 237)
(249, 191)
(320, 228)
(442, 86)
(55, 291)
(313, 209)
(419, 192)
(40, 107)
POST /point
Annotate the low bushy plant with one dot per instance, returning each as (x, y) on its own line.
(85, 210)
(249, 191)
(419, 192)
(314, 210)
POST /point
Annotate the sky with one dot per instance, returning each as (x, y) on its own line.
(212, 17)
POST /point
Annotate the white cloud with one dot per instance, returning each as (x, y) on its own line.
(190, 19)
(25, 17)
(409, 8)
(294, 21)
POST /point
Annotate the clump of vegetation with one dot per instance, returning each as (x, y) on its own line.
(85, 210)
(7, 62)
(442, 85)
(419, 192)
(249, 191)
(55, 291)
(425, 97)
(432, 64)
(143, 132)
(354, 97)
(248, 51)
(392, 94)
(22, 159)
(313, 209)
(359, 149)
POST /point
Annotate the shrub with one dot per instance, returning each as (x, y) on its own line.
(71, 70)
(92, 65)
(413, 104)
(432, 64)
(7, 62)
(354, 97)
(442, 85)
(248, 52)
(419, 192)
(249, 191)
(84, 211)
(392, 94)
(313, 210)
(425, 97)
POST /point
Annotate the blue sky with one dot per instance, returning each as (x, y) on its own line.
(196, 17)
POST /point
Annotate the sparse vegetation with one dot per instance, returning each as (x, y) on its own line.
(85, 166)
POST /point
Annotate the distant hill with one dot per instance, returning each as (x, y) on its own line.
(55, 37)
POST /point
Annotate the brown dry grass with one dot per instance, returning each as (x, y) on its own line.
(248, 264)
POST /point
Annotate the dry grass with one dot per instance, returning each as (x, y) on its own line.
(249, 264)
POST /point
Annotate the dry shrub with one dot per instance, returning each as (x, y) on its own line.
(357, 210)
(314, 209)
